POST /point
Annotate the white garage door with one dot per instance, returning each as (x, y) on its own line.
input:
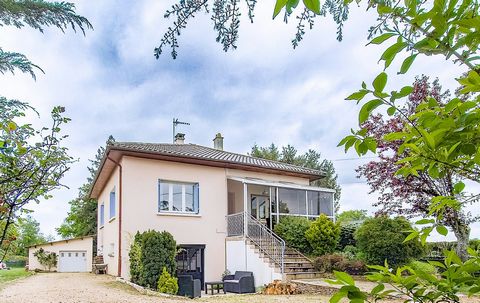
(72, 261)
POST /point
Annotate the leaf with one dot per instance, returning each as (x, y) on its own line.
(358, 95)
(367, 108)
(391, 110)
(278, 7)
(380, 82)
(425, 221)
(390, 53)
(291, 4)
(442, 230)
(458, 187)
(337, 297)
(344, 277)
(313, 5)
(407, 63)
(377, 289)
(411, 236)
(382, 38)
(12, 126)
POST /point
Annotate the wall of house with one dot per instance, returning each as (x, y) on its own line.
(107, 235)
(243, 257)
(85, 244)
(140, 208)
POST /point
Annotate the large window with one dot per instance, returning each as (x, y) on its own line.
(102, 215)
(292, 201)
(112, 204)
(178, 197)
(320, 203)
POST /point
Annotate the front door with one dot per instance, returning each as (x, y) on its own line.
(191, 261)
(260, 208)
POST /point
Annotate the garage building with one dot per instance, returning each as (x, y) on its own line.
(73, 255)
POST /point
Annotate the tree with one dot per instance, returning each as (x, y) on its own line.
(37, 14)
(411, 195)
(32, 162)
(310, 159)
(323, 235)
(28, 234)
(81, 219)
(351, 216)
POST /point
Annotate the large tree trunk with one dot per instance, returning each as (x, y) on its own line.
(462, 233)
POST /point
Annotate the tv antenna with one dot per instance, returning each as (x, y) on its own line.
(174, 126)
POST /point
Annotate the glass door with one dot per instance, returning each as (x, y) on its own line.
(191, 261)
(259, 206)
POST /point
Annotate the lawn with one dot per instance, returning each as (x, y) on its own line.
(12, 274)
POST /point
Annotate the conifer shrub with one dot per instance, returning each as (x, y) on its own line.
(323, 235)
(167, 284)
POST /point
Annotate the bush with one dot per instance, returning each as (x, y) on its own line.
(424, 267)
(150, 253)
(350, 252)
(381, 239)
(292, 230)
(46, 258)
(323, 235)
(347, 236)
(167, 284)
(328, 263)
(135, 256)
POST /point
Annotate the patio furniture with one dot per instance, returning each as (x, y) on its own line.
(98, 266)
(214, 285)
(189, 287)
(241, 282)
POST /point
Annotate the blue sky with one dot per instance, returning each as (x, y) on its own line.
(263, 92)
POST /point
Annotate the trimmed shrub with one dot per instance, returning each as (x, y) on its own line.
(167, 284)
(135, 256)
(158, 250)
(323, 235)
(381, 239)
(329, 263)
(292, 230)
(347, 236)
(423, 267)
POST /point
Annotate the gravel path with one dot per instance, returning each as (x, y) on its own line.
(73, 288)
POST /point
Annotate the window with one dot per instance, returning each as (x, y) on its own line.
(102, 214)
(292, 201)
(178, 197)
(112, 204)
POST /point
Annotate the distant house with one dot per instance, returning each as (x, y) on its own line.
(219, 206)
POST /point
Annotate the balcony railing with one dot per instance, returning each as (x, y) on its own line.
(264, 238)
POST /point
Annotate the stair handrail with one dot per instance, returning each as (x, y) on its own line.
(267, 235)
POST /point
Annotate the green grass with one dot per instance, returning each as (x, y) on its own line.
(13, 274)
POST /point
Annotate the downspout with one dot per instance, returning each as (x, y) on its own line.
(119, 216)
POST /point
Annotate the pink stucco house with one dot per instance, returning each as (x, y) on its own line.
(220, 207)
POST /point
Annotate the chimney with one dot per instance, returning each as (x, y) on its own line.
(179, 138)
(218, 142)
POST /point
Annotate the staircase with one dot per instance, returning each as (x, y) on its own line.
(271, 248)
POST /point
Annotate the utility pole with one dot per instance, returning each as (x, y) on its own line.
(174, 126)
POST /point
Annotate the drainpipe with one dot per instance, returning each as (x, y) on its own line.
(119, 217)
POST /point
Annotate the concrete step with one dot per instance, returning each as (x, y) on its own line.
(302, 275)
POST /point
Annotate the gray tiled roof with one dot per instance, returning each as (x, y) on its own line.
(210, 154)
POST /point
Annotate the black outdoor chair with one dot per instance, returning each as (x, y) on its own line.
(189, 287)
(241, 282)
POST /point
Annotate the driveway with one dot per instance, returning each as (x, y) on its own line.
(74, 287)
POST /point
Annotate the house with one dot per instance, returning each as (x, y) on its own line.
(219, 206)
(73, 255)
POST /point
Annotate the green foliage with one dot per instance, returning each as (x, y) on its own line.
(167, 284)
(135, 258)
(152, 251)
(46, 259)
(38, 15)
(292, 229)
(323, 235)
(382, 238)
(32, 162)
(347, 236)
(28, 234)
(335, 262)
(351, 216)
(423, 267)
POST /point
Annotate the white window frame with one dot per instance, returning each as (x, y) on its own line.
(170, 197)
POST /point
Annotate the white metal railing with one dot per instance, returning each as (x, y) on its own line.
(235, 225)
(264, 238)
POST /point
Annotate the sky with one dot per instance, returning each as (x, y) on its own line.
(262, 92)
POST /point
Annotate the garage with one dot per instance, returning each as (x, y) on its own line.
(73, 255)
(72, 261)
